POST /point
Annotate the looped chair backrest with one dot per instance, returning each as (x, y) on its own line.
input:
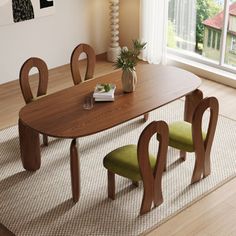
(74, 63)
(213, 105)
(152, 179)
(24, 78)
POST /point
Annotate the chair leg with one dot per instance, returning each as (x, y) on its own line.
(145, 117)
(75, 171)
(147, 199)
(165, 164)
(135, 183)
(158, 197)
(45, 140)
(111, 184)
(207, 165)
(182, 155)
(199, 166)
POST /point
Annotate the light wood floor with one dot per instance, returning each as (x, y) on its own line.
(214, 215)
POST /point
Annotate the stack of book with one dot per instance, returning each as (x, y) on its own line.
(104, 92)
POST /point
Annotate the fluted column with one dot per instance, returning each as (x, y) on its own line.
(114, 48)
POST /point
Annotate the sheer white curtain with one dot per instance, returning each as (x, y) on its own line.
(153, 29)
(182, 14)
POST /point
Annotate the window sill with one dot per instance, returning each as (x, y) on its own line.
(203, 70)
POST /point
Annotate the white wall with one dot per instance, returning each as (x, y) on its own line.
(53, 38)
(129, 21)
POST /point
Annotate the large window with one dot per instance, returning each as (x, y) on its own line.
(209, 38)
(204, 30)
(233, 44)
(218, 40)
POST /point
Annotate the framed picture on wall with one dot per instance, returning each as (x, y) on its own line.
(14, 11)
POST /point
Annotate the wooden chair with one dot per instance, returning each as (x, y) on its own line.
(43, 82)
(135, 162)
(189, 137)
(74, 63)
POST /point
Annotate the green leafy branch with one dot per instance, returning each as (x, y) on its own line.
(128, 58)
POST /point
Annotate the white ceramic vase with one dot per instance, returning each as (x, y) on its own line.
(129, 80)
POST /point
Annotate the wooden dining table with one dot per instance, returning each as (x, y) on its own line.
(62, 115)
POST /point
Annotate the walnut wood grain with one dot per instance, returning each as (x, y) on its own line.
(75, 64)
(191, 102)
(29, 147)
(152, 179)
(24, 78)
(75, 171)
(203, 148)
(62, 115)
(38, 63)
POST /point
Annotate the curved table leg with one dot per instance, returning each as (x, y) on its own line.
(75, 171)
(29, 147)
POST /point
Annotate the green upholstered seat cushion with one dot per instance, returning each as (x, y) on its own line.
(124, 161)
(180, 136)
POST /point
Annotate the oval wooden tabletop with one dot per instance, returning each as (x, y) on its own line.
(62, 115)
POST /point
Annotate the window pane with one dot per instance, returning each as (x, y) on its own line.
(209, 38)
(214, 40)
(230, 48)
(182, 24)
(218, 41)
(195, 27)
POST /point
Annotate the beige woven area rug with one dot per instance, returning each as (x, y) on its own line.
(40, 203)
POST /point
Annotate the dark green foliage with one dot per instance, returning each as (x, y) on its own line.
(105, 87)
(205, 9)
(128, 58)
